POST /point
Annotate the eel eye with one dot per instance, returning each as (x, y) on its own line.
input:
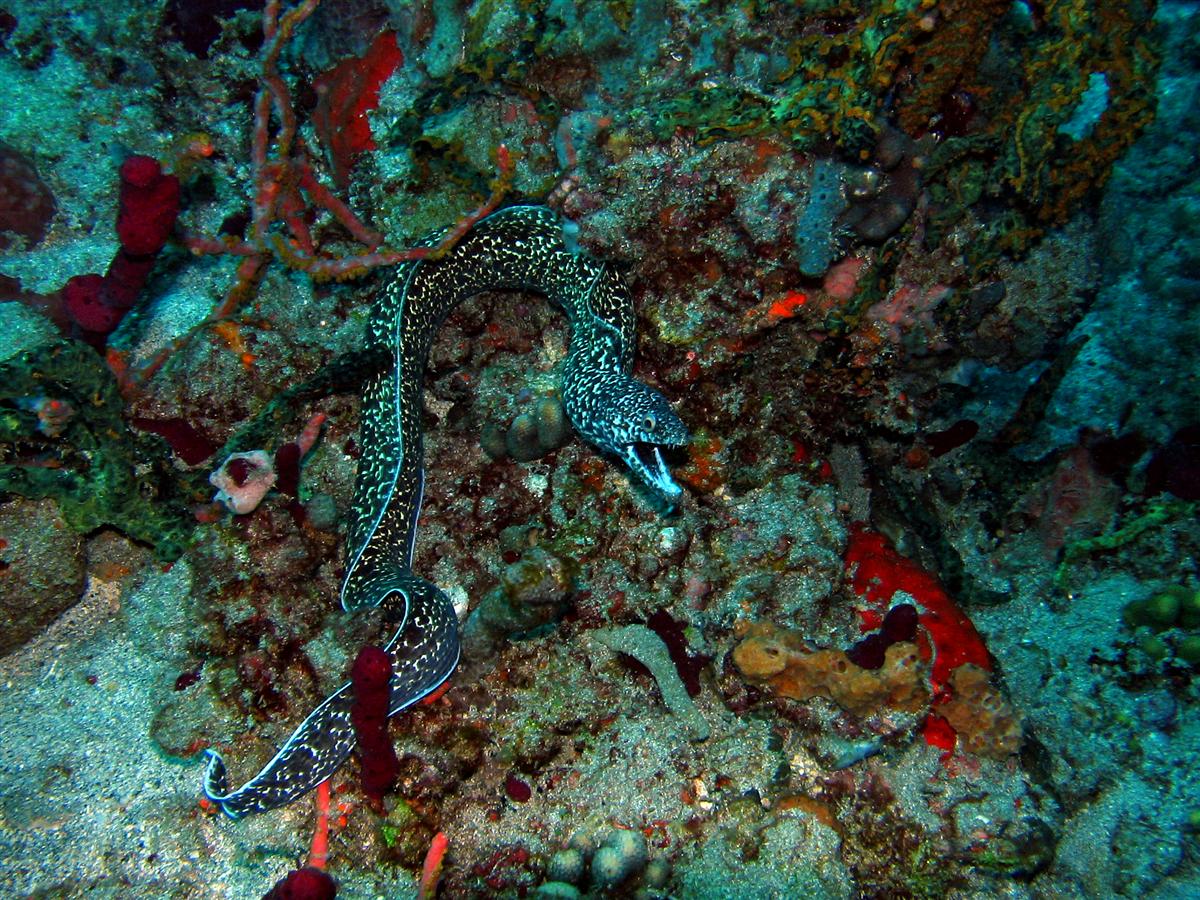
(648, 423)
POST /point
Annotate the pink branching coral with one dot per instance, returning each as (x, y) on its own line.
(286, 190)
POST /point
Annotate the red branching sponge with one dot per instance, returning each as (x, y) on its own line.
(149, 205)
(346, 93)
(371, 675)
(86, 304)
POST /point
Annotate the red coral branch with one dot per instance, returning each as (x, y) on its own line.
(318, 854)
(431, 871)
(286, 189)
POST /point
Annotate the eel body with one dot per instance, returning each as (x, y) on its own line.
(516, 248)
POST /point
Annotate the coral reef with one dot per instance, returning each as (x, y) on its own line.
(103, 475)
(983, 720)
(533, 592)
(920, 279)
(148, 205)
(823, 204)
(303, 884)
(620, 855)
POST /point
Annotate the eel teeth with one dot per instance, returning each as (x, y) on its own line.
(659, 477)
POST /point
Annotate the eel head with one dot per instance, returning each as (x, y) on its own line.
(635, 422)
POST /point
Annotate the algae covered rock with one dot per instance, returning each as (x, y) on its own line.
(98, 471)
(533, 592)
(41, 569)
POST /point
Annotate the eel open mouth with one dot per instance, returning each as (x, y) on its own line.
(647, 463)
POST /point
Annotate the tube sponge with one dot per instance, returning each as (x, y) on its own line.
(371, 676)
(648, 648)
(816, 246)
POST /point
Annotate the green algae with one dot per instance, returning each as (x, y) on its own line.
(1188, 650)
(98, 471)
(1159, 513)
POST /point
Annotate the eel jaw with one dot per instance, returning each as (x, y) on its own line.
(653, 471)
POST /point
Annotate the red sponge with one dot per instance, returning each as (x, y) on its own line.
(371, 676)
(149, 204)
(304, 884)
(84, 298)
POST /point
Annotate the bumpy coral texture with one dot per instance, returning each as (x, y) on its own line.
(648, 648)
(985, 722)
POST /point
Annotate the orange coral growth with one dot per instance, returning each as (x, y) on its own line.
(986, 724)
(231, 334)
(965, 701)
(945, 46)
(780, 658)
(971, 713)
(818, 809)
(704, 471)
(785, 307)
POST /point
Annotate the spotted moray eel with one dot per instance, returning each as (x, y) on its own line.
(517, 248)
